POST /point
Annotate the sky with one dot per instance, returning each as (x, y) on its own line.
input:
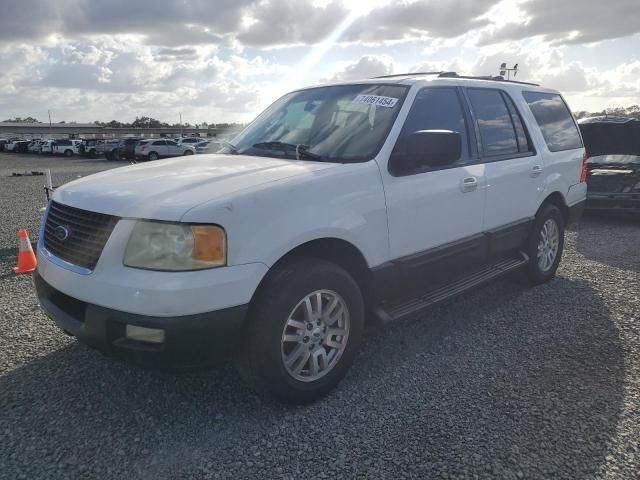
(221, 61)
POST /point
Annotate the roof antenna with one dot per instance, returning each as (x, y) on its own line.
(508, 71)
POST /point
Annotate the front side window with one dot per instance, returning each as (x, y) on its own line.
(497, 132)
(171, 143)
(434, 109)
(341, 123)
(556, 123)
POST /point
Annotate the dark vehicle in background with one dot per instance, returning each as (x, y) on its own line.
(127, 148)
(21, 146)
(613, 167)
(110, 149)
(89, 147)
(3, 142)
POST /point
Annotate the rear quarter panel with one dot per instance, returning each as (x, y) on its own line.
(561, 169)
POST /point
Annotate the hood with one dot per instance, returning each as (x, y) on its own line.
(166, 189)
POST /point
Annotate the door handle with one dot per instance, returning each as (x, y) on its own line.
(536, 171)
(468, 184)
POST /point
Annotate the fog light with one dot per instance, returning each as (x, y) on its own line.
(143, 334)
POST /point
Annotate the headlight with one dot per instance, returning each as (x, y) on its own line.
(175, 246)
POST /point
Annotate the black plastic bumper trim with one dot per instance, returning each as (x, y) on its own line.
(190, 340)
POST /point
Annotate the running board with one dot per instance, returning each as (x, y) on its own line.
(390, 313)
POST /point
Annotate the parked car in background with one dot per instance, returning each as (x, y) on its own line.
(89, 147)
(68, 148)
(207, 147)
(126, 148)
(378, 198)
(11, 144)
(34, 146)
(613, 168)
(46, 147)
(3, 142)
(109, 148)
(153, 149)
(188, 140)
(21, 146)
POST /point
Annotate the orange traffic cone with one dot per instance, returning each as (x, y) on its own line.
(26, 258)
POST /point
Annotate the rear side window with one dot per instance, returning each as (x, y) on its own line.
(159, 142)
(497, 131)
(556, 123)
(171, 143)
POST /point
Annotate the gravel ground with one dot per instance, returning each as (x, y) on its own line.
(506, 382)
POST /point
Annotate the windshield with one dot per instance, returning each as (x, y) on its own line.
(341, 123)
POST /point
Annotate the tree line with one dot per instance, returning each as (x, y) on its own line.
(139, 122)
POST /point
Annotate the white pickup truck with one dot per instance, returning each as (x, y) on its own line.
(366, 201)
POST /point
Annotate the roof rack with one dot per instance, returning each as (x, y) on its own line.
(409, 74)
(497, 78)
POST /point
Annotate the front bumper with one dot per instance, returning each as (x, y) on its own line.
(190, 340)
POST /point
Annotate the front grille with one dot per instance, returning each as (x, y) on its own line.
(87, 234)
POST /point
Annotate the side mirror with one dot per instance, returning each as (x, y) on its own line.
(428, 148)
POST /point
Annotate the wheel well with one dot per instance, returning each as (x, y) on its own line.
(557, 199)
(340, 252)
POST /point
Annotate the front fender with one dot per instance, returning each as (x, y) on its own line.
(264, 224)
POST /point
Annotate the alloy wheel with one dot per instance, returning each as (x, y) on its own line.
(315, 335)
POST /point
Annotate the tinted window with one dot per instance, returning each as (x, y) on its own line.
(437, 109)
(159, 142)
(557, 125)
(521, 134)
(64, 142)
(494, 122)
(172, 143)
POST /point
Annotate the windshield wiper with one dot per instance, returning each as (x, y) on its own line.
(301, 150)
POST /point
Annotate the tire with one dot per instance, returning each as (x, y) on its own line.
(68, 153)
(153, 156)
(278, 304)
(541, 269)
(188, 152)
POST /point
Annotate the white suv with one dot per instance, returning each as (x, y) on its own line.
(378, 197)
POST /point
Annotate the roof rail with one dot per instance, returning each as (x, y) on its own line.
(410, 74)
(496, 78)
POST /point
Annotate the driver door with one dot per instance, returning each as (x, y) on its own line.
(435, 214)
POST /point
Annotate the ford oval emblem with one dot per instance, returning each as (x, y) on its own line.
(61, 232)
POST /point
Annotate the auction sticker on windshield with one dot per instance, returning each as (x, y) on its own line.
(376, 100)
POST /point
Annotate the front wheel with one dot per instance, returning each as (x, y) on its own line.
(153, 156)
(545, 245)
(305, 328)
(68, 153)
(188, 152)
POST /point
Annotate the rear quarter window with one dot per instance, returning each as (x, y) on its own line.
(555, 120)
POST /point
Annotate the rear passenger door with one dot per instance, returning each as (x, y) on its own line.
(513, 169)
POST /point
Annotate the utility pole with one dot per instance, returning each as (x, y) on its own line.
(181, 128)
(50, 127)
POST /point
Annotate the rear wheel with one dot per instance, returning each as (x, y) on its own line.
(68, 153)
(545, 245)
(188, 152)
(305, 327)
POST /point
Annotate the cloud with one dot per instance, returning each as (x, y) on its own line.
(368, 66)
(571, 22)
